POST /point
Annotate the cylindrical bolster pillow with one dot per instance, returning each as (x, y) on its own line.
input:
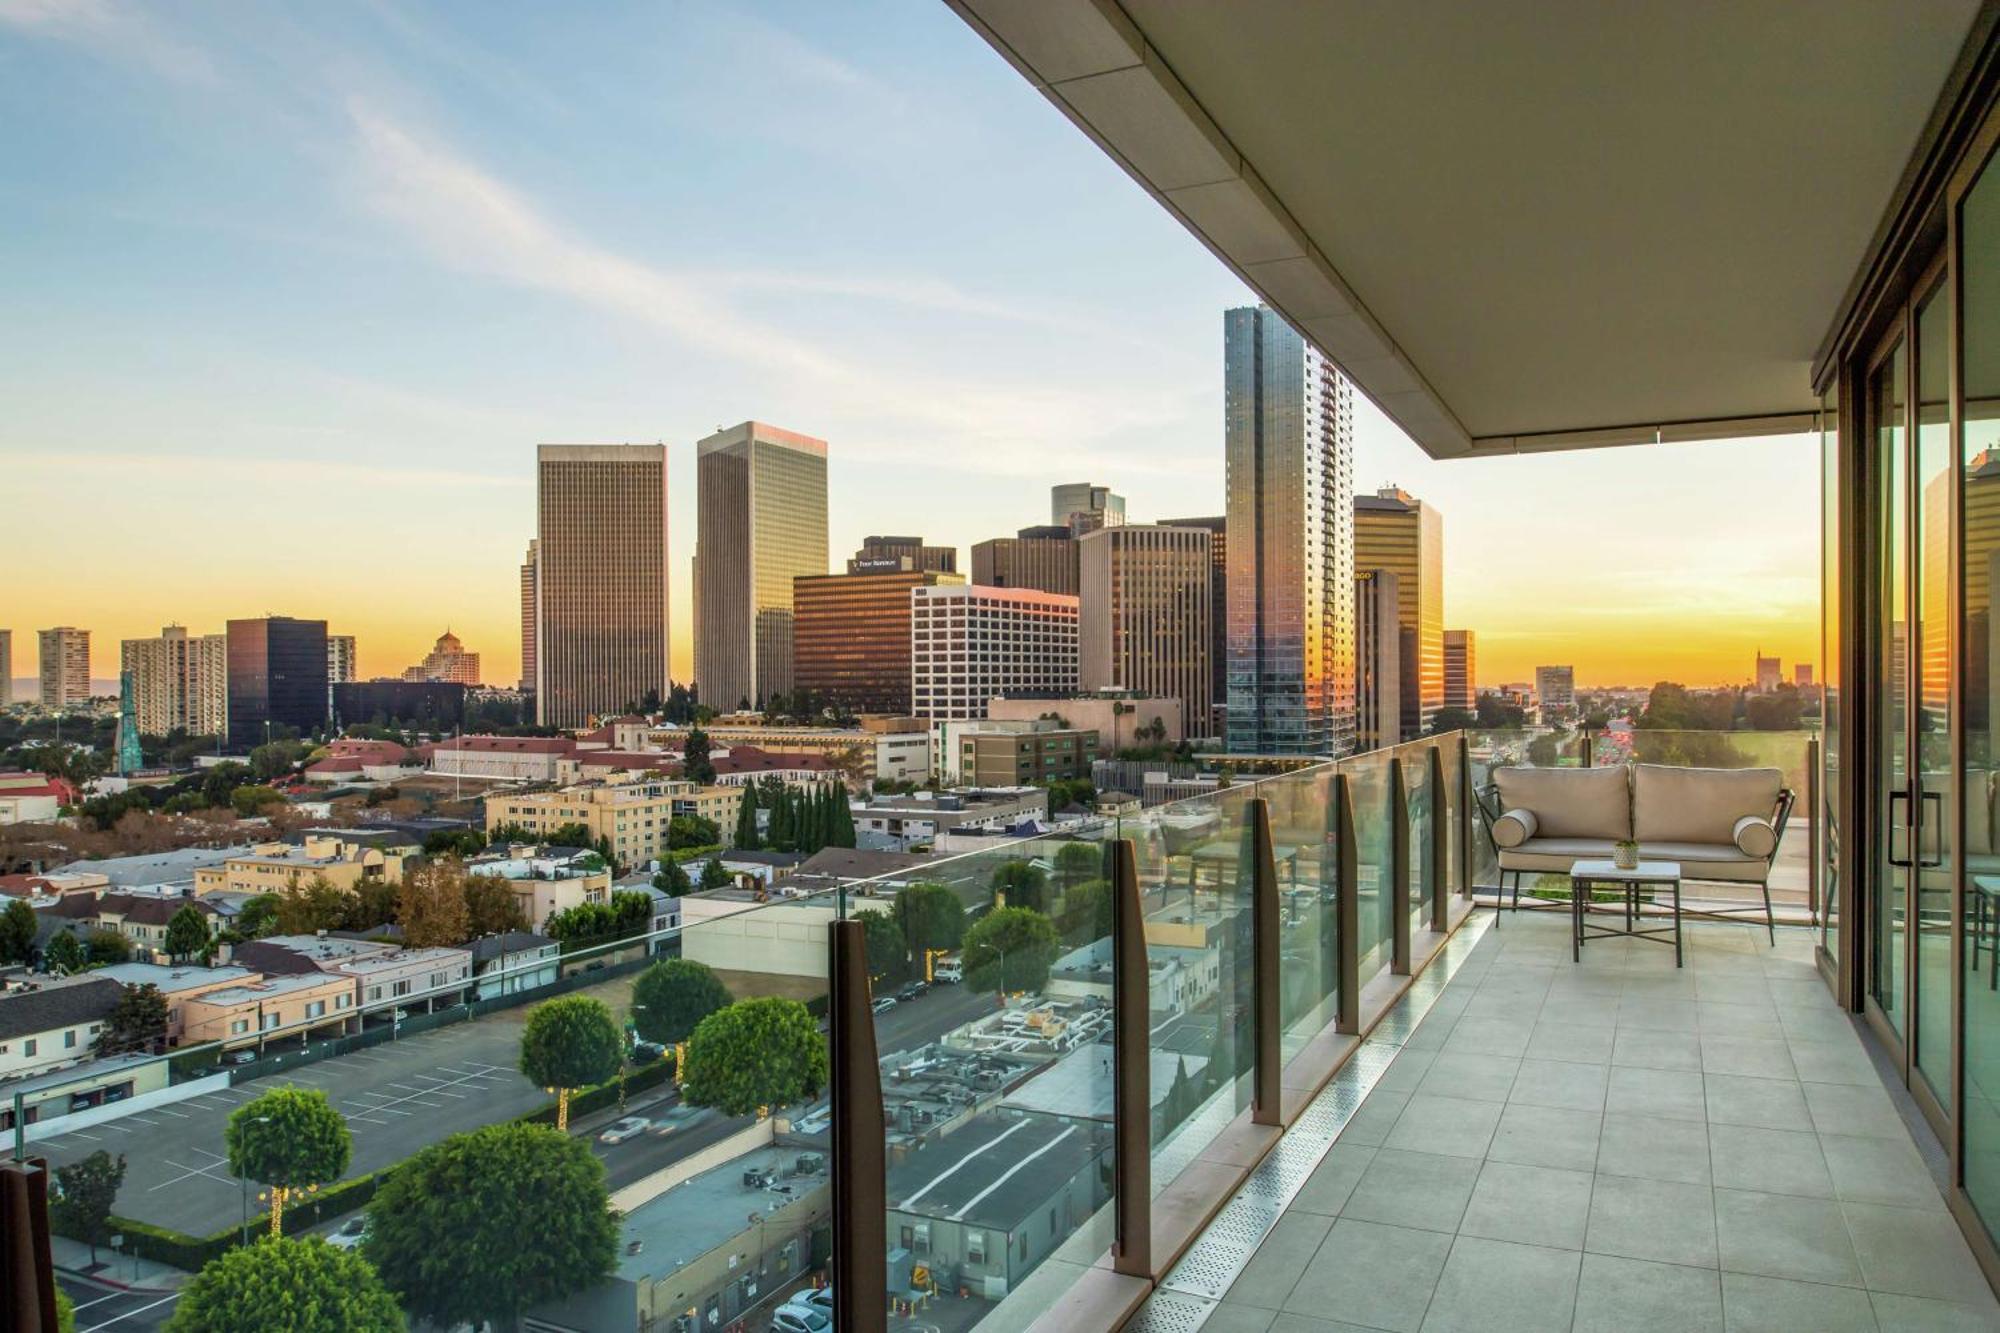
(1514, 828)
(1755, 836)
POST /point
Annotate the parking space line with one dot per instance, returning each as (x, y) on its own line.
(117, 1318)
(168, 1110)
(81, 1135)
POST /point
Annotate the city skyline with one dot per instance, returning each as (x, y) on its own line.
(458, 283)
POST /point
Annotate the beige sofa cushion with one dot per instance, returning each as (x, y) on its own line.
(1570, 802)
(1514, 828)
(1699, 804)
(1754, 836)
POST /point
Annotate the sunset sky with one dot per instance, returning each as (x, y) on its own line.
(293, 292)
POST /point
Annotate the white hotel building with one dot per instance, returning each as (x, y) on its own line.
(969, 644)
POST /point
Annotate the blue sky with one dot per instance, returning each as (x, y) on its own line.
(294, 289)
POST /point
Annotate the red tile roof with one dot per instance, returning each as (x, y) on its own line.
(510, 744)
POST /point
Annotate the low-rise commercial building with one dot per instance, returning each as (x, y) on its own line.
(968, 644)
(632, 818)
(515, 961)
(1036, 753)
(1117, 716)
(501, 758)
(900, 823)
(547, 880)
(253, 1010)
(30, 798)
(878, 749)
(178, 985)
(51, 1025)
(435, 976)
(278, 867)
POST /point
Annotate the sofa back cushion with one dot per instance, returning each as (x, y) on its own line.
(1699, 804)
(1570, 802)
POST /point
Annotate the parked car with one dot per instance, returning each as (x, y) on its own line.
(819, 1298)
(951, 970)
(644, 1051)
(800, 1319)
(246, 1056)
(884, 1005)
(912, 991)
(631, 1127)
(352, 1232)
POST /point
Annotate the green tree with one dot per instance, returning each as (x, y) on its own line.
(1024, 883)
(137, 1023)
(17, 932)
(485, 1225)
(250, 801)
(888, 951)
(931, 916)
(316, 905)
(84, 1194)
(301, 1285)
(1087, 909)
(104, 945)
(1010, 949)
(692, 831)
(570, 1043)
(764, 1052)
(275, 759)
(746, 819)
(491, 907)
(780, 833)
(671, 998)
(671, 878)
(259, 916)
(290, 1139)
(432, 906)
(65, 1312)
(63, 955)
(187, 934)
(696, 766)
(1078, 861)
(714, 875)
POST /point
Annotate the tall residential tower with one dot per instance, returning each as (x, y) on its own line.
(65, 667)
(761, 523)
(1396, 533)
(601, 561)
(1288, 418)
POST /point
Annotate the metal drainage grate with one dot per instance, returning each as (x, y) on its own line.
(1188, 1294)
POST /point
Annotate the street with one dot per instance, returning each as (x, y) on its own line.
(100, 1306)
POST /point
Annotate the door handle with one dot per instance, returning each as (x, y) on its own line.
(1894, 824)
(1922, 805)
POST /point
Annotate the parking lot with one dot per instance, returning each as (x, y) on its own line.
(397, 1098)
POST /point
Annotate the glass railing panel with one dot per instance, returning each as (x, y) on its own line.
(1304, 834)
(1454, 814)
(994, 999)
(1416, 772)
(1196, 880)
(1368, 787)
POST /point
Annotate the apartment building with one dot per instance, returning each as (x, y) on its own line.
(179, 681)
(65, 667)
(250, 1011)
(51, 1025)
(178, 985)
(278, 867)
(546, 880)
(632, 818)
(971, 643)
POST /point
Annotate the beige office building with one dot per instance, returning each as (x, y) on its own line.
(969, 644)
(633, 818)
(601, 591)
(528, 618)
(65, 667)
(1378, 662)
(1399, 534)
(761, 523)
(1145, 616)
(179, 681)
(1461, 669)
(1043, 558)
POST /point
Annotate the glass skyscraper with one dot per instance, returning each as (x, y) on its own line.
(1288, 419)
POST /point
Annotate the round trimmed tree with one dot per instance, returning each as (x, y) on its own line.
(755, 1054)
(302, 1285)
(671, 998)
(290, 1139)
(485, 1225)
(1010, 949)
(571, 1043)
(932, 918)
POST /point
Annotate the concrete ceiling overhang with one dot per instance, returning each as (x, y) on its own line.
(1520, 226)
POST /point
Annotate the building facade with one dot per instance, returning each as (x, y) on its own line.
(1217, 527)
(1043, 558)
(601, 591)
(277, 677)
(447, 661)
(969, 644)
(6, 667)
(1770, 671)
(1378, 660)
(1555, 689)
(1461, 667)
(1144, 616)
(761, 515)
(632, 818)
(1082, 507)
(851, 636)
(1025, 758)
(528, 615)
(1289, 439)
(903, 553)
(427, 705)
(180, 681)
(65, 667)
(1400, 534)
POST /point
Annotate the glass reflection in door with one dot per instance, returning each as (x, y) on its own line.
(1932, 859)
(1887, 905)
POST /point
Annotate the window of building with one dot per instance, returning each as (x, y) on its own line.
(316, 1008)
(238, 1026)
(69, 1040)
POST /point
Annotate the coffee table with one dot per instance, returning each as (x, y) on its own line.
(1647, 874)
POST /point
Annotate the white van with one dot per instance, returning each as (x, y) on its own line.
(951, 970)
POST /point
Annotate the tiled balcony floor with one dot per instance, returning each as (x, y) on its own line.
(1618, 1145)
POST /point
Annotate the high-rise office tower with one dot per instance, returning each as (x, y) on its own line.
(851, 636)
(1461, 670)
(277, 678)
(1143, 616)
(1396, 532)
(1555, 689)
(179, 682)
(601, 579)
(1378, 660)
(65, 665)
(1040, 557)
(1217, 528)
(1770, 671)
(1288, 419)
(904, 553)
(6, 667)
(761, 513)
(970, 645)
(528, 618)
(1802, 675)
(1082, 507)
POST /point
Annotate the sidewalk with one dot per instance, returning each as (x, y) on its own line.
(117, 1270)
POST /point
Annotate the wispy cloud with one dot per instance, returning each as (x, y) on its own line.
(119, 32)
(177, 467)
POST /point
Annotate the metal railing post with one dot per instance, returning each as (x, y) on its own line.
(1347, 906)
(860, 1187)
(1583, 749)
(1266, 979)
(1466, 815)
(1437, 849)
(1399, 870)
(1132, 1098)
(1812, 850)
